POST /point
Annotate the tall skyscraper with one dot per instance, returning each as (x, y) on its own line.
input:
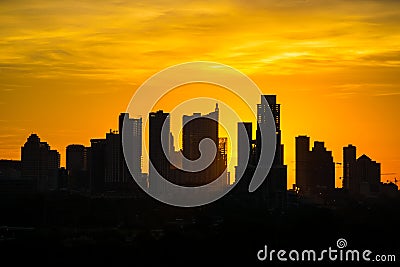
(77, 160)
(349, 162)
(113, 159)
(40, 163)
(302, 161)
(275, 188)
(133, 141)
(97, 165)
(268, 102)
(159, 162)
(315, 169)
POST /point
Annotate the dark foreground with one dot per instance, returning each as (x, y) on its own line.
(119, 231)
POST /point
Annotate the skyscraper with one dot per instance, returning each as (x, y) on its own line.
(323, 166)
(158, 161)
(275, 188)
(108, 163)
(268, 102)
(96, 165)
(77, 160)
(302, 161)
(349, 161)
(40, 163)
(133, 130)
(244, 145)
(113, 161)
(368, 173)
(196, 128)
(361, 176)
(315, 169)
(247, 157)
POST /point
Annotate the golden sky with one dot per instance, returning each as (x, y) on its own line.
(68, 68)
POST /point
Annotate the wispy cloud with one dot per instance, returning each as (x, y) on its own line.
(90, 39)
(358, 89)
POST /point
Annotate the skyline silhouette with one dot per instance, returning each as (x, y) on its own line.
(62, 139)
(93, 170)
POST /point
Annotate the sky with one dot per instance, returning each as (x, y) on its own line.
(68, 68)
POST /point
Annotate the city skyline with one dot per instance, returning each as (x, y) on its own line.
(80, 152)
(386, 176)
(68, 79)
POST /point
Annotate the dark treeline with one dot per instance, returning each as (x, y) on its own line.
(68, 228)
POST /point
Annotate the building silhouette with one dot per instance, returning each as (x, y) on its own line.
(361, 176)
(368, 175)
(273, 192)
(76, 158)
(244, 146)
(96, 165)
(303, 179)
(222, 161)
(77, 167)
(113, 161)
(40, 164)
(268, 102)
(247, 156)
(133, 130)
(274, 188)
(196, 128)
(158, 162)
(315, 169)
(107, 163)
(349, 163)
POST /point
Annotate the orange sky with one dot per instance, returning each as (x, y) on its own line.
(68, 68)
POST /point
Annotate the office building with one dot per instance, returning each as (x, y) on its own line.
(76, 167)
(158, 162)
(361, 176)
(196, 128)
(40, 163)
(315, 168)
